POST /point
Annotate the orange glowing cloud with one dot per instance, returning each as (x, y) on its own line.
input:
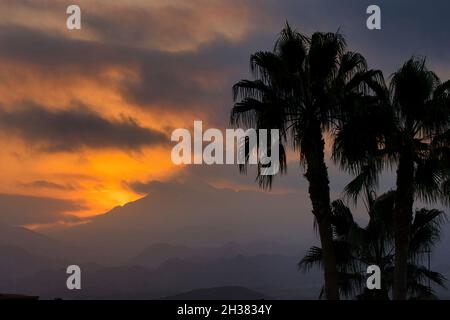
(168, 25)
(133, 66)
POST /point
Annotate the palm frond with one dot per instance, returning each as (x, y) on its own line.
(312, 259)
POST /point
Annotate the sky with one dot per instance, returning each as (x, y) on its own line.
(86, 115)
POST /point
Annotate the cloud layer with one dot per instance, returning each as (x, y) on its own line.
(24, 210)
(139, 68)
(73, 129)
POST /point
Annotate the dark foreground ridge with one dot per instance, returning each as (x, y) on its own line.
(219, 293)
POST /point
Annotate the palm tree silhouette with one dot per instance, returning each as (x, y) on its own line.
(407, 127)
(357, 248)
(301, 88)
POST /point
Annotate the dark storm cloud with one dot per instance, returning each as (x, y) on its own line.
(44, 184)
(141, 187)
(174, 183)
(201, 79)
(16, 210)
(55, 53)
(409, 27)
(173, 81)
(72, 129)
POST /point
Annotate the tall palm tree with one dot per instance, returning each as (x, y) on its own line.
(300, 88)
(358, 247)
(407, 128)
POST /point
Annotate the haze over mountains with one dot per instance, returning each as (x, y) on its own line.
(193, 214)
(175, 240)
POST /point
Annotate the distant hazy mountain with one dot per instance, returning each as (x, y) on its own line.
(16, 264)
(157, 254)
(271, 275)
(43, 245)
(32, 241)
(154, 255)
(15, 261)
(192, 215)
(220, 293)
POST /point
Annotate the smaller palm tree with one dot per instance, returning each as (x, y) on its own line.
(407, 128)
(357, 248)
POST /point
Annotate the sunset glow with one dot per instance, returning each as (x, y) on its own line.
(97, 176)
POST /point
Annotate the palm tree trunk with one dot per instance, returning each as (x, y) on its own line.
(319, 192)
(402, 223)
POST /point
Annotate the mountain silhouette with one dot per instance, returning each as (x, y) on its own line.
(219, 293)
(189, 214)
(271, 275)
